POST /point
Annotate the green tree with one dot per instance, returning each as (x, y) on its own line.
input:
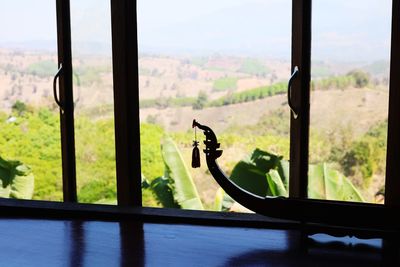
(201, 100)
(19, 107)
(362, 78)
(359, 159)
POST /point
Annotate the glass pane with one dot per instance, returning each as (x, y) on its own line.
(29, 118)
(93, 93)
(349, 99)
(226, 64)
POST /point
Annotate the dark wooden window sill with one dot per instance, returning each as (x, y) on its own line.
(12, 208)
(125, 242)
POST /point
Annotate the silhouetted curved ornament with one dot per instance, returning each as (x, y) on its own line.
(361, 219)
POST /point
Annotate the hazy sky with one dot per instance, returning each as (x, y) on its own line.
(342, 29)
(24, 21)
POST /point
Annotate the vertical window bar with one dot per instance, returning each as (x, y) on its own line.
(66, 101)
(392, 183)
(300, 96)
(126, 101)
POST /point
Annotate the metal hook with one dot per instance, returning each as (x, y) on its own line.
(292, 77)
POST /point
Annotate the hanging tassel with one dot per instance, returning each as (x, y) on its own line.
(195, 155)
(196, 151)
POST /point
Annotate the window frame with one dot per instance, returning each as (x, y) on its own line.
(66, 101)
(301, 57)
(299, 126)
(126, 102)
(127, 124)
(392, 179)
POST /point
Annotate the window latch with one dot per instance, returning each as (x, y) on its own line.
(289, 93)
(56, 99)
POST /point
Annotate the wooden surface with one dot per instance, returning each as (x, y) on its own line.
(28, 242)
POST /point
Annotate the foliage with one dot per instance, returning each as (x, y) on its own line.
(273, 123)
(250, 95)
(201, 100)
(46, 68)
(19, 107)
(165, 102)
(176, 188)
(366, 155)
(361, 78)
(358, 79)
(99, 190)
(152, 165)
(250, 172)
(164, 192)
(90, 74)
(35, 140)
(266, 174)
(151, 157)
(222, 201)
(95, 158)
(335, 82)
(253, 67)
(319, 69)
(327, 183)
(229, 99)
(224, 84)
(185, 192)
(359, 155)
(97, 111)
(355, 78)
(16, 180)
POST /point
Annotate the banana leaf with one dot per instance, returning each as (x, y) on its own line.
(16, 180)
(222, 202)
(182, 185)
(219, 198)
(275, 183)
(249, 173)
(327, 183)
(163, 191)
(266, 174)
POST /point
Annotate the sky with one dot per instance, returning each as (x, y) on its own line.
(345, 30)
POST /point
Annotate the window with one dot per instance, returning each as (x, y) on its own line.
(126, 78)
(350, 91)
(198, 61)
(93, 101)
(30, 116)
(29, 120)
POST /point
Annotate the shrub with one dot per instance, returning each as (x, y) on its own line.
(201, 101)
(358, 159)
(361, 78)
(19, 107)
